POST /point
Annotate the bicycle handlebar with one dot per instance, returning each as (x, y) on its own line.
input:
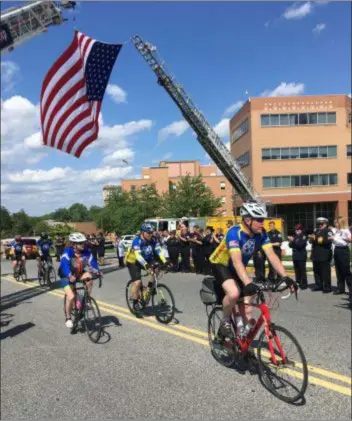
(290, 284)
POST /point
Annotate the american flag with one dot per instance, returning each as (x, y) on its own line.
(72, 94)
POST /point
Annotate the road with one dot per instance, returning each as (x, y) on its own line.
(145, 370)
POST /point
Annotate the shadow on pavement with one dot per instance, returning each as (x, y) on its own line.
(108, 321)
(16, 330)
(11, 300)
(347, 304)
(5, 319)
(112, 268)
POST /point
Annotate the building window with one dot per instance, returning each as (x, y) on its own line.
(302, 119)
(312, 152)
(305, 180)
(349, 178)
(222, 185)
(240, 131)
(223, 200)
(349, 150)
(243, 160)
(133, 187)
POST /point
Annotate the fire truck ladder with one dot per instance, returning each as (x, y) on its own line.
(205, 133)
(26, 21)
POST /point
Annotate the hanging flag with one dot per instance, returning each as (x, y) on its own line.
(72, 94)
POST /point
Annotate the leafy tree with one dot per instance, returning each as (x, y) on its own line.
(21, 223)
(41, 226)
(6, 221)
(94, 212)
(61, 215)
(78, 213)
(191, 197)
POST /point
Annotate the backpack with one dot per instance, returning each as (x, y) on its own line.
(208, 292)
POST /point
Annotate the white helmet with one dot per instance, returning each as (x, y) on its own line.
(322, 220)
(253, 209)
(77, 237)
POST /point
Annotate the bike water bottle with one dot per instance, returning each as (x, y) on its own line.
(249, 327)
(239, 323)
(78, 302)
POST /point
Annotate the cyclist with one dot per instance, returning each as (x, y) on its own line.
(18, 252)
(230, 258)
(142, 254)
(77, 262)
(44, 245)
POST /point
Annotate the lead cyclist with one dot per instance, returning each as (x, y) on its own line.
(230, 259)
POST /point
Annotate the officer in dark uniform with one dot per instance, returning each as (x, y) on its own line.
(197, 249)
(276, 241)
(185, 250)
(207, 250)
(321, 241)
(173, 247)
(298, 243)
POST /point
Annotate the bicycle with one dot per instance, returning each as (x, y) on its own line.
(20, 271)
(81, 306)
(240, 347)
(156, 292)
(46, 273)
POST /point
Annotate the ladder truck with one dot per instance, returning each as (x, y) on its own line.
(206, 136)
(21, 23)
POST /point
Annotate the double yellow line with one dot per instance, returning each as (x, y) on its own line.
(201, 338)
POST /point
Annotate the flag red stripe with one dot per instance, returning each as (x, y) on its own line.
(92, 138)
(80, 132)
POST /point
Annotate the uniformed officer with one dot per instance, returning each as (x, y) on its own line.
(276, 241)
(185, 250)
(173, 247)
(321, 241)
(197, 249)
(298, 243)
(207, 250)
(341, 240)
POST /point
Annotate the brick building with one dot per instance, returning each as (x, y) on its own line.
(168, 173)
(297, 152)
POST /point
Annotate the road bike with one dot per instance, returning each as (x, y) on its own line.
(163, 302)
(20, 271)
(46, 273)
(272, 347)
(82, 305)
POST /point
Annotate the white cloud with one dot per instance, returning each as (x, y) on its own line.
(116, 93)
(298, 10)
(285, 89)
(177, 128)
(35, 159)
(10, 75)
(233, 108)
(319, 28)
(118, 156)
(34, 141)
(223, 127)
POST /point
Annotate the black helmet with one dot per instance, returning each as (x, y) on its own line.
(44, 235)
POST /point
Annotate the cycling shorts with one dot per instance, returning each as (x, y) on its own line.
(222, 273)
(17, 257)
(64, 282)
(45, 258)
(135, 270)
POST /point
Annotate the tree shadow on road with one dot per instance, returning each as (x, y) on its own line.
(15, 298)
(16, 330)
(347, 304)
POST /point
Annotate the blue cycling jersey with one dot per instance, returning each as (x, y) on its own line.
(17, 247)
(70, 264)
(144, 251)
(44, 246)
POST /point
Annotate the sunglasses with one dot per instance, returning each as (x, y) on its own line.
(258, 220)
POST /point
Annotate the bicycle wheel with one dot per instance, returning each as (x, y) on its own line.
(222, 352)
(24, 274)
(41, 277)
(50, 276)
(163, 303)
(141, 304)
(295, 366)
(92, 319)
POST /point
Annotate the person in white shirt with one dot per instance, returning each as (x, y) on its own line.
(341, 241)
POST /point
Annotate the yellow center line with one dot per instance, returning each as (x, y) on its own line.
(125, 313)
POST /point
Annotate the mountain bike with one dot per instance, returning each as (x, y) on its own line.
(272, 347)
(163, 302)
(20, 271)
(46, 273)
(82, 305)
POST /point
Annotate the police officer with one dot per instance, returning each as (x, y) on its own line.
(197, 250)
(321, 241)
(341, 240)
(207, 250)
(298, 243)
(173, 247)
(185, 250)
(276, 241)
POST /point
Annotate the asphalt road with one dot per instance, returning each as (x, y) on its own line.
(145, 370)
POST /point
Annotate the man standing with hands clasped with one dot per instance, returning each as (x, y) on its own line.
(275, 238)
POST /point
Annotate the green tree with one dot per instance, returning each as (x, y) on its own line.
(21, 223)
(6, 221)
(61, 215)
(191, 197)
(78, 213)
(94, 212)
(41, 226)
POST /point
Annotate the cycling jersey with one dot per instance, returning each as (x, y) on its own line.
(143, 251)
(236, 239)
(70, 264)
(17, 248)
(44, 246)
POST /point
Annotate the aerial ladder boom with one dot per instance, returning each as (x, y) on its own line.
(21, 23)
(207, 137)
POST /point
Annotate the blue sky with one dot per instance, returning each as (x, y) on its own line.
(216, 50)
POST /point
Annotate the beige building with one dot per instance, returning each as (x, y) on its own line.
(167, 174)
(297, 152)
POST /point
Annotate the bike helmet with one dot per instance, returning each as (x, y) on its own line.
(147, 228)
(18, 238)
(77, 237)
(253, 209)
(44, 235)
